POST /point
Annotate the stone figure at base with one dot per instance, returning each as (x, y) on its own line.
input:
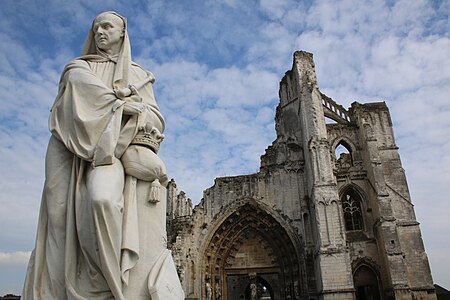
(101, 231)
(208, 291)
(253, 291)
(218, 291)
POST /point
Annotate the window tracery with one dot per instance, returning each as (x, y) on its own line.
(351, 205)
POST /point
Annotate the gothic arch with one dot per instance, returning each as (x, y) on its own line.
(343, 161)
(355, 188)
(246, 225)
(346, 142)
(353, 205)
(366, 279)
(366, 261)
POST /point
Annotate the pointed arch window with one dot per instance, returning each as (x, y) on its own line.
(351, 205)
(343, 154)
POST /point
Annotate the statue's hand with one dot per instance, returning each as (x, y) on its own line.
(123, 92)
(132, 98)
(133, 108)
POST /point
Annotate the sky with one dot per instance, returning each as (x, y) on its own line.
(218, 65)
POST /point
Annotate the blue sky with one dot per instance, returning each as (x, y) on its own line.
(218, 65)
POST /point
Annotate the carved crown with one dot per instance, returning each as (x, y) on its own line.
(151, 139)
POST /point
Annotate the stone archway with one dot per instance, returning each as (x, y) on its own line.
(366, 284)
(249, 244)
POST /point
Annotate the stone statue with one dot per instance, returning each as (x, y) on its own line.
(218, 291)
(253, 291)
(101, 231)
(208, 291)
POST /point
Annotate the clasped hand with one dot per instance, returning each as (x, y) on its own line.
(132, 105)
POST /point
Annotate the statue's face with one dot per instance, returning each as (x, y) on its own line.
(109, 32)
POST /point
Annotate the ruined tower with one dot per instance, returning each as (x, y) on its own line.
(308, 225)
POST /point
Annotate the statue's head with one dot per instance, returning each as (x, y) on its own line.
(109, 30)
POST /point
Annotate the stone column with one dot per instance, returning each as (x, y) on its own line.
(332, 261)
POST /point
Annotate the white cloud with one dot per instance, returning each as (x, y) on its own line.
(9, 259)
(14, 57)
(211, 114)
(12, 266)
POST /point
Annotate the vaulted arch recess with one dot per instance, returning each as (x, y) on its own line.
(252, 246)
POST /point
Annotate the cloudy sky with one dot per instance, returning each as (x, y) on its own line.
(218, 65)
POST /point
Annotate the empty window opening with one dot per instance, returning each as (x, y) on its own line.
(343, 155)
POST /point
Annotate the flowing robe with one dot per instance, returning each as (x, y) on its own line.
(87, 244)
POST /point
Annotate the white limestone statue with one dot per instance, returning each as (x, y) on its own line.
(208, 291)
(218, 292)
(253, 291)
(101, 231)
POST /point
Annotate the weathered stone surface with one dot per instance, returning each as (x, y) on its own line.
(308, 225)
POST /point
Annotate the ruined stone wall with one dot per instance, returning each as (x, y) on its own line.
(399, 230)
(274, 192)
(331, 259)
(390, 241)
(298, 206)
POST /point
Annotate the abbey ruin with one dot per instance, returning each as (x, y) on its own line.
(308, 225)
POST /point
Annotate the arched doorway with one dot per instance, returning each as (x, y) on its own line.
(251, 246)
(366, 284)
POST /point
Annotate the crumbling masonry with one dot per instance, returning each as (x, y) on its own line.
(308, 225)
